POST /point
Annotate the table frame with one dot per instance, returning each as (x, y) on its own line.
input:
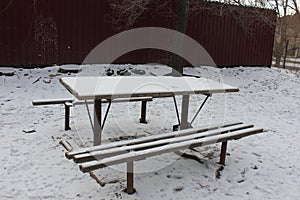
(183, 122)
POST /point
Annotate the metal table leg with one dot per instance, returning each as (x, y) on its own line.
(184, 112)
(97, 121)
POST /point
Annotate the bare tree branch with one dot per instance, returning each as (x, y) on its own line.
(127, 12)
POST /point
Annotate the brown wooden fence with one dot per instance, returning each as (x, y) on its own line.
(46, 32)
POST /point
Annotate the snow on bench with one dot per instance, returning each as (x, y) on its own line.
(101, 156)
(70, 69)
(42, 102)
(7, 71)
(69, 102)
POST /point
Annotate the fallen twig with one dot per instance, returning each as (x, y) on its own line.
(189, 156)
(101, 183)
(37, 80)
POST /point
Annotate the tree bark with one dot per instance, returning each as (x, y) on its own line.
(279, 51)
(181, 25)
(282, 25)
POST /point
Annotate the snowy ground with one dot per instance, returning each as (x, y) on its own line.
(264, 166)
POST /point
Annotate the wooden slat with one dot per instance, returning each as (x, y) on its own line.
(76, 102)
(149, 138)
(132, 156)
(66, 145)
(121, 100)
(125, 149)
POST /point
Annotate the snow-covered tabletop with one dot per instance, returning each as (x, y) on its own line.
(159, 86)
(84, 88)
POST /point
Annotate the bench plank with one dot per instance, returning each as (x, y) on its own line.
(69, 102)
(41, 102)
(133, 156)
(70, 155)
(120, 100)
(151, 144)
(51, 101)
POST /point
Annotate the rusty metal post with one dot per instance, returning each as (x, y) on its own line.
(143, 112)
(67, 116)
(223, 153)
(130, 176)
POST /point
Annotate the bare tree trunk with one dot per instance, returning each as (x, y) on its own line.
(285, 52)
(282, 32)
(282, 43)
(181, 25)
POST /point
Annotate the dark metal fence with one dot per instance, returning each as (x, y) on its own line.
(46, 32)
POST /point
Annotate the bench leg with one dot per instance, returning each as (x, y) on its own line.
(143, 112)
(130, 189)
(67, 117)
(223, 153)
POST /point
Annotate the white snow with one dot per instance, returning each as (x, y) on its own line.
(263, 166)
(70, 68)
(89, 87)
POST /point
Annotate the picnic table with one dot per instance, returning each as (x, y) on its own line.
(111, 88)
(134, 150)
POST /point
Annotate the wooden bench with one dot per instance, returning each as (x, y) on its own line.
(69, 102)
(105, 155)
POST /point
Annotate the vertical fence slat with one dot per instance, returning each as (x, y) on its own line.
(81, 25)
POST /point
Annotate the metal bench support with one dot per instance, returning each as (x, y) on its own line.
(67, 116)
(143, 112)
(130, 178)
(223, 153)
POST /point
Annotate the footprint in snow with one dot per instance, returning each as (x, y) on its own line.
(29, 131)
(174, 176)
(178, 189)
